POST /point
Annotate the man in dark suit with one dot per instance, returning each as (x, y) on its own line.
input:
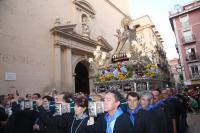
(159, 111)
(3, 115)
(169, 111)
(114, 121)
(142, 120)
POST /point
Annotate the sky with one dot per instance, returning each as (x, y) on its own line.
(158, 11)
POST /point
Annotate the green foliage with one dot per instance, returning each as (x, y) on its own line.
(130, 69)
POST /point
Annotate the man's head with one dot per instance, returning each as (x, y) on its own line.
(169, 92)
(164, 94)
(28, 96)
(36, 96)
(112, 101)
(146, 99)
(97, 98)
(48, 99)
(132, 99)
(156, 95)
(11, 96)
(4, 99)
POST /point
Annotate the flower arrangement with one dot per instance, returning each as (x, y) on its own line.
(118, 71)
(123, 71)
(151, 70)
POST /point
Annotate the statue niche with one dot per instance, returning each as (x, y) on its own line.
(85, 26)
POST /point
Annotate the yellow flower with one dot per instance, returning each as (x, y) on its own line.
(152, 74)
(110, 75)
(102, 78)
(121, 76)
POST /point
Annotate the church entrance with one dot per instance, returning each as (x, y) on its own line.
(81, 78)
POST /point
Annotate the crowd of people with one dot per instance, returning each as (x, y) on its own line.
(156, 111)
(194, 99)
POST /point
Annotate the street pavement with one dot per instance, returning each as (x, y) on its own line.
(194, 123)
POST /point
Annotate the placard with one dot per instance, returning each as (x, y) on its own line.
(92, 109)
(10, 76)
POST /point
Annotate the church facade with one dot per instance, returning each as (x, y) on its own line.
(47, 44)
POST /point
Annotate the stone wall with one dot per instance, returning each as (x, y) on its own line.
(27, 45)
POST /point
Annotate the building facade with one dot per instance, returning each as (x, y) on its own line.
(185, 22)
(151, 44)
(47, 44)
(177, 72)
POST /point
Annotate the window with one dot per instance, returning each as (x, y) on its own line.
(190, 54)
(194, 69)
(184, 21)
(195, 72)
(187, 36)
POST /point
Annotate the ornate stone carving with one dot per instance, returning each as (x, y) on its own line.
(126, 37)
(85, 6)
(85, 26)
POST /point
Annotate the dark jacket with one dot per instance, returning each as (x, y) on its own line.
(144, 122)
(21, 122)
(63, 124)
(122, 125)
(160, 119)
(3, 117)
(169, 114)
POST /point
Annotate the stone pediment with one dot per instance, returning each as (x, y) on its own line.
(102, 41)
(85, 6)
(67, 31)
(64, 28)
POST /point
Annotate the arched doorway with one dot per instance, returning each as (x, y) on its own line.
(81, 78)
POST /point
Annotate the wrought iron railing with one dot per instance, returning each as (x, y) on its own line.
(189, 39)
(196, 76)
(192, 58)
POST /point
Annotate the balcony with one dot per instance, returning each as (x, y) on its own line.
(192, 58)
(196, 76)
(189, 39)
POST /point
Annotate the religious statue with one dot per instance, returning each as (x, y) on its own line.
(125, 39)
(118, 35)
(128, 34)
(85, 27)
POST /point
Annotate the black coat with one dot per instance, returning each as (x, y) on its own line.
(3, 117)
(122, 125)
(62, 124)
(169, 115)
(144, 122)
(21, 122)
(160, 119)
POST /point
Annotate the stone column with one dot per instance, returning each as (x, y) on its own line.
(92, 77)
(57, 67)
(73, 81)
(91, 83)
(67, 80)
